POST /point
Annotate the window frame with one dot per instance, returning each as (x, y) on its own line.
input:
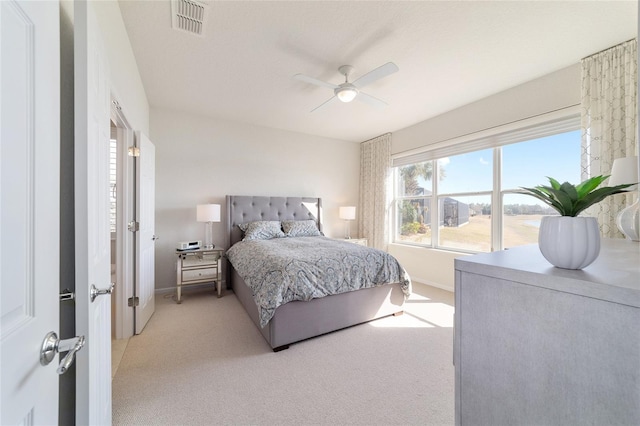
(558, 122)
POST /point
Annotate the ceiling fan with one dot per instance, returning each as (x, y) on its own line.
(348, 91)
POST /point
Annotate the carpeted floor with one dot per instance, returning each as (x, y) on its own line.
(204, 362)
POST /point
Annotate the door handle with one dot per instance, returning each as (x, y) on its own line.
(52, 345)
(95, 292)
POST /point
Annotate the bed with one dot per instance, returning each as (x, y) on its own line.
(300, 320)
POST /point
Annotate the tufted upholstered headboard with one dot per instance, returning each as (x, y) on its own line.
(246, 208)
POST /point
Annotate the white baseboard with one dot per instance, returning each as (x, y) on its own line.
(432, 284)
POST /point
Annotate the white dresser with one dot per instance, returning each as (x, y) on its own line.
(535, 344)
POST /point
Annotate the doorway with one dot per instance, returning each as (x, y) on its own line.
(121, 210)
(132, 210)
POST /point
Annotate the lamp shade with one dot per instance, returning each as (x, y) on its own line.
(347, 213)
(624, 170)
(208, 213)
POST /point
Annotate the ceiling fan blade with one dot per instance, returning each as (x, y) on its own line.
(376, 74)
(368, 99)
(328, 101)
(315, 81)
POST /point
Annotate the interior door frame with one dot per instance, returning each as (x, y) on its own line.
(125, 211)
(144, 196)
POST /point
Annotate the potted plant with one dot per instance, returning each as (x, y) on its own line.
(568, 241)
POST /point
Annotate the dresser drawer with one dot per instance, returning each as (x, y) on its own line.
(199, 274)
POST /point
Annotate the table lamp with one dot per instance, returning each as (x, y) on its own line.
(625, 170)
(208, 213)
(347, 213)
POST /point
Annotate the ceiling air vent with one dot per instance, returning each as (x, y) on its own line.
(188, 15)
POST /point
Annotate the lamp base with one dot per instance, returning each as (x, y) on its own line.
(208, 236)
(347, 230)
(628, 221)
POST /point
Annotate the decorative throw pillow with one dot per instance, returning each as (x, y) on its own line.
(300, 228)
(261, 230)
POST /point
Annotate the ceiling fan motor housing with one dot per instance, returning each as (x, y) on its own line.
(346, 92)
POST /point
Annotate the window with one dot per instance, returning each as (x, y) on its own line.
(414, 203)
(528, 164)
(464, 201)
(454, 206)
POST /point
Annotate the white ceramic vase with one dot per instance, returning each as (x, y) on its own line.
(569, 242)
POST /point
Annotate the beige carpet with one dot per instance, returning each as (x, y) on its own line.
(204, 362)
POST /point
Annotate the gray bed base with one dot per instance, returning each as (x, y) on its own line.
(298, 320)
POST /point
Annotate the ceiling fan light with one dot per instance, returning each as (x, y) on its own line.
(346, 94)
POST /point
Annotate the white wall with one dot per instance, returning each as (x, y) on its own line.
(200, 160)
(427, 266)
(126, 83)
(549, 93)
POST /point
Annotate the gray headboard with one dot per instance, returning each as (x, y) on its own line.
(246, 208)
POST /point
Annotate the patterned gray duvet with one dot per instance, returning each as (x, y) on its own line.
(281, 270)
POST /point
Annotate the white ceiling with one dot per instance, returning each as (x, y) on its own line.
(450, 53)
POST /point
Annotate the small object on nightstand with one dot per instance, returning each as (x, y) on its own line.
(189, 245)
(360, 241)
(197, 267)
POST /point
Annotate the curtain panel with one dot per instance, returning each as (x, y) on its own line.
(609, 123)
(375, 174)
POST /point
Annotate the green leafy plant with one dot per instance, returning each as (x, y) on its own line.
(571, 200)
(409, 228)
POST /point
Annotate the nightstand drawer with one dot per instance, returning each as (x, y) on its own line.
(195, 260)
(199, 274)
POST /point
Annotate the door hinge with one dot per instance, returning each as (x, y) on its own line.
(133, 301)
(133, 226)
(133, 151)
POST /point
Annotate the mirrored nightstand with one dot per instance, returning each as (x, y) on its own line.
(197, 267)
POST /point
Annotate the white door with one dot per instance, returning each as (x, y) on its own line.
(92, 239)
(29, 206)
(145, 237)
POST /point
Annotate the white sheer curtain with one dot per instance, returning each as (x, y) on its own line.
(375, 173)
(609, 124)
